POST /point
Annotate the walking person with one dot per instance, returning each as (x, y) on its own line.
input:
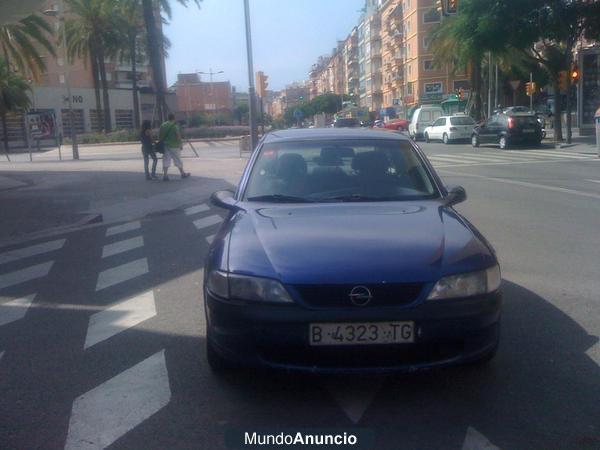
(148, 150)
(171, 137)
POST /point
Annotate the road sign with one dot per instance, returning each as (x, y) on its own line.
(515, 84)
(298, 114)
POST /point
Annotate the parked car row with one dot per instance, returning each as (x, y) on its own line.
(513, 125)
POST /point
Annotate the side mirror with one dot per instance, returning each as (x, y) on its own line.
(224, 199)
(456, 195)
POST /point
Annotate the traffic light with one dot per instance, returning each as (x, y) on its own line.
(261, 84)
(530, 88)
(562, 80)
(574, 74)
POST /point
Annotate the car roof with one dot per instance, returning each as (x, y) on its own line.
(302, 134)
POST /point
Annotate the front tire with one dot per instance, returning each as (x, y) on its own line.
(445, 139)
(427, 137)
(475, 140)
(503, 143)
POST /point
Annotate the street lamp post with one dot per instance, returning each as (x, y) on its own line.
(60, 13)
(210, 73)
(251, 93)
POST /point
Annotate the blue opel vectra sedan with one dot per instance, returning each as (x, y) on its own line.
(342, 252)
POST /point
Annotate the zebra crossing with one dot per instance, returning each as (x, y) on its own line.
(204, 223)
(504, 157)
(14, 307)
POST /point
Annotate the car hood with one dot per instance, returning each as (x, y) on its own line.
(357, 242)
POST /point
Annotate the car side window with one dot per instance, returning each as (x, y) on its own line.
(439, 123)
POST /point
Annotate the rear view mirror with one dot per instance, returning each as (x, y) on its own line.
(224, 199)
(456, 195)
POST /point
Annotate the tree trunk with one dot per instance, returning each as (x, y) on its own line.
(136, 104)
(557, 109)
(476, 86)
(96, 81)
(102, 66)
(4, 133)
(569, 55)
(154, 43)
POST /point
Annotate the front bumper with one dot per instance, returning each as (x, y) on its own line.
(448, 332)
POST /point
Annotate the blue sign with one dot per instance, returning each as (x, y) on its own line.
(298, 114)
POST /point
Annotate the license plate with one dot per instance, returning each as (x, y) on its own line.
(366, 333)
(528, 130)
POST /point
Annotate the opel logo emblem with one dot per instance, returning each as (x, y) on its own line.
(360, 295)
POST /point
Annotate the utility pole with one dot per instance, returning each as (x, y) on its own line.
(489, 102)
(251, 91)
(496, 88)
(60, 12)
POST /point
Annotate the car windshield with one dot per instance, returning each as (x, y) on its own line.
(466, 120)
(359, 170)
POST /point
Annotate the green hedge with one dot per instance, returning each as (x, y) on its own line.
(188, 133)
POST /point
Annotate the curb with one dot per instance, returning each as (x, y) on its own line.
(102, 144)
(88, 221)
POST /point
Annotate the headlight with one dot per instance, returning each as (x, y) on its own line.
(467, 284)
(242, 287)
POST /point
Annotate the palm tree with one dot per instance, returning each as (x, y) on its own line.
(452, 46)
(13, 96)
(89, 35)
(131, 29)
(154, 41)
(21, 42)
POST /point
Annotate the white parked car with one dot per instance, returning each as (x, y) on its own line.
(450, 128)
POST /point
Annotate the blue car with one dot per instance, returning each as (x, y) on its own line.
(342, 252)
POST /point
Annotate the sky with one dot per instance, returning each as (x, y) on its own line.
(287, 37)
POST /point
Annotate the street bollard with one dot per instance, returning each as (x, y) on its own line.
(597, 120)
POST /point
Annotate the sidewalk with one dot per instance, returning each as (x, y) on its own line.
(583, 144)
(107, 185)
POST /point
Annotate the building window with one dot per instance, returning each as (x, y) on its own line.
(408, 51)
(430, 16)
(124, 119)
(426, 42)
(410, 69)
(408, 25)
(428, 65)
(409, 89)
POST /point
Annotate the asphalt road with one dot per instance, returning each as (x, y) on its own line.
(102, 332)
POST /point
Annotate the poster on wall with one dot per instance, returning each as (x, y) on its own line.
(41, 124)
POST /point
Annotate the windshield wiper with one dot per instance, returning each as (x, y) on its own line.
(357, 198)
(279, 198)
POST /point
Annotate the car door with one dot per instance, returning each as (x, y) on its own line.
(487, 131)
(437, 129)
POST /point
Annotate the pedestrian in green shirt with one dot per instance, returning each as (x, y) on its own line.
(170, 135)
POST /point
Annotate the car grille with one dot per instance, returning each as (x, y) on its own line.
(338, 295)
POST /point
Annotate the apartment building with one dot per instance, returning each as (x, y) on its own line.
(350, 61)
(388, 51)
(422, 81)
(370, 57)
(49, 94)
(293, 95)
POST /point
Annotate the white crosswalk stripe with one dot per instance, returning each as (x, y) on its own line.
(196, 209)
(119, 317)
(14, 310)
(1, 355)
(34, 250)
(122, 246)
(210, 238)
(122, 273)
(118, 229)
(206, 222)
(101, 416)
(506, 157)
(24, 275)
